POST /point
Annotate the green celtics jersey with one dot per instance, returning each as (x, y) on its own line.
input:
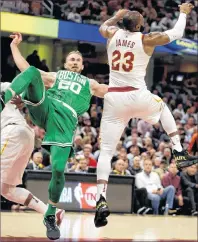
(73, 89)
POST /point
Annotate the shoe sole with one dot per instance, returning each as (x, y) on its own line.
(102, 219)
(49, 237)
(185, 164)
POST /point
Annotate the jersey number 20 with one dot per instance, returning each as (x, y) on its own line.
(122, 64)
(72, 86)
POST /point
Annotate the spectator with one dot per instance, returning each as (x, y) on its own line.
(189, 182)
(157, 162)
(74, 16)
(167, 156)
(189, 127)
(126, 167)
(34, 59)
(91, 162)
(78, 143)
(155, 26)
(149, 12)
(134, 151)
(143, 127)
(36, 162)
(119, 168)
(82, 166)
(179, 110)
(136, 166)
(171, 178)
(162, 169)
(150, 180)
(167, 22)
(44, 66)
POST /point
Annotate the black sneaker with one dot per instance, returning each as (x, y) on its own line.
(148, 211)
(53, 231)
(141, 210)
(2, 103)
(102, 212)
(183, 159)
(194, 213)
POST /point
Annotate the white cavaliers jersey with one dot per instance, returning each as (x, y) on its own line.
(10, 113)
(127, 60)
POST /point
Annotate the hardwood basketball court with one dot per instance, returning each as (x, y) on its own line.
(28, 226)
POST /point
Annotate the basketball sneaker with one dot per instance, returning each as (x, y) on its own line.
(2, 103)
(102, 212)
(53, 231)
(183, 159)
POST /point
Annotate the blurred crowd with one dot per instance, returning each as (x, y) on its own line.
(159, 15)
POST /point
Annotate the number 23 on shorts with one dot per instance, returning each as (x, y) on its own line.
(124, 63)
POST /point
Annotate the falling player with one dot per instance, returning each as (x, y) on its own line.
(129, 52)
(56, 110)
(17, 144)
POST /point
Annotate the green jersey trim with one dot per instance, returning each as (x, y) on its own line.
(67, 106)
(56, 143)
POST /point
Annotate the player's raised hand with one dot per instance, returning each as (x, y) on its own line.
(186, 8)
(120, 14)
(17, 38)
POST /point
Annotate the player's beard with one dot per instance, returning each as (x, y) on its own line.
(75, 69)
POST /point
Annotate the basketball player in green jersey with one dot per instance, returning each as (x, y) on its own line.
(55, 110)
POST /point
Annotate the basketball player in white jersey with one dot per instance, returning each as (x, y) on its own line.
(129, 52)
(17, 144)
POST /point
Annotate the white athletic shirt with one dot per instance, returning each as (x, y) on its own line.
(127, 60)
(10, 113)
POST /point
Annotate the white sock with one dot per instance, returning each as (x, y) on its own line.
(19, 195)
(103, 171)
(176, 145)
(101, 190)
(169, 125)
(38, 205)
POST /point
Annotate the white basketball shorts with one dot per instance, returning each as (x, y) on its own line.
(120, 107)
(17, 144)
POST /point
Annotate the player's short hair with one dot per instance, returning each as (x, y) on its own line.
(74, 52)
(131, 20)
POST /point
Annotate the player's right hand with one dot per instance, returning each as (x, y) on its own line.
(18, 102)
(186, 8)
(17, 38)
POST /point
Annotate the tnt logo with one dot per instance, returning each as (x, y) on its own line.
(89, 195)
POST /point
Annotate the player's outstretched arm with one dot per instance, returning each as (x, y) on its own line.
(19, 60)
(98, 90)
(155, 39)
(47, 77)
(108, 28)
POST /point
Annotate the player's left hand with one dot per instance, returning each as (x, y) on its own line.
(17, 38)
(18, 102)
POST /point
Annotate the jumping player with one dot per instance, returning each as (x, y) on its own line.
(129, 52)
(17, 144)
(55, 110)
